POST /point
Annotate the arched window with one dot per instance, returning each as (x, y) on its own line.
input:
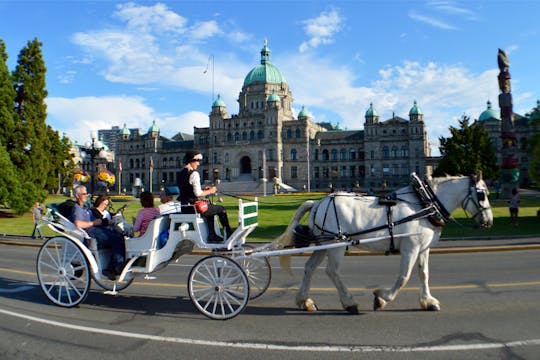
(293, 154)
(352, 154)
(260, 134)
(334, 155)
(137, 164)
(394, 151)
(298, 133)
(131, 163)
(404, 151)
(251, 135)
(343, 154)
(325, 156)
(236, 136)
(244, 135)
(289, 133)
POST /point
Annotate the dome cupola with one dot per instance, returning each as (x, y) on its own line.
(265, 72)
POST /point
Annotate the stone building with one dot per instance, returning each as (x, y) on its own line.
(265, 142)
(490, 119)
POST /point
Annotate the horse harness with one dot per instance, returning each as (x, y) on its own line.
(432, 208)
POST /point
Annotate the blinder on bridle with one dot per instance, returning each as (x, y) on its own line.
(476, 195)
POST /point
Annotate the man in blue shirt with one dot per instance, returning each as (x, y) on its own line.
(83, 218)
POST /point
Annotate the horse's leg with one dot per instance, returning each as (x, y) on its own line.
(335, 259)
(409, 254)
(427, 302)
(302, 299)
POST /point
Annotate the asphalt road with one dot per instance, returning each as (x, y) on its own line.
(490, 309)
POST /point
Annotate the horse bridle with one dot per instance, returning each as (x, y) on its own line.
(476, 195)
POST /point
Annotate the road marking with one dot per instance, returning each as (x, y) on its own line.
(263, 346)
(16, 290)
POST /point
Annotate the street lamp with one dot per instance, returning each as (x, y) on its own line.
(93, 149)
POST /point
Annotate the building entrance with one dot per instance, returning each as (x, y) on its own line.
(245, 165)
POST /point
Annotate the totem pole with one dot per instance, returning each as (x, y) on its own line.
(509, 165)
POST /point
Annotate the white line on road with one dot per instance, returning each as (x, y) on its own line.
(263, 346)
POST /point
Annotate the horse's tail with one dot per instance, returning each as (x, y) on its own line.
(287, 238)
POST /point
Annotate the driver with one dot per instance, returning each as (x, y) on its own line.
(189, 182)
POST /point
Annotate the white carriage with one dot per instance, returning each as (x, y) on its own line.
(219, 285)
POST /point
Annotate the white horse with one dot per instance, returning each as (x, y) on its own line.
(412, 219)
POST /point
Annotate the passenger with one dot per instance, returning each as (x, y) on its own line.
(166, 196)
(189, 182)
(146, 214)
(101, 204)
(84, 219)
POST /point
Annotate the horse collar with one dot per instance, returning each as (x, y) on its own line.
(427, 197)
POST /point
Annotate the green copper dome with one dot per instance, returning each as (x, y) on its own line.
(265, 72)
(273, 97)
(153, 128)
(371, 111)
(125, 130)
(415, 110)
(303, 113)
(219, 102)
(489, 113)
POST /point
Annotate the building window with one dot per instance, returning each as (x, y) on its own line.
(334, 155)
(316, 155)
(289, 133)
(325, 155)
(343, 154)
(298, 133)
(260, 134)
(316, 172)
(294, 172)
(325, 173)
(372, 154)
(244, 135)
(385, 152)
(229, 137)
(394, 151)
(293, 155)
(251, 135)
(352, 154)
(236, 136)
(404, 152)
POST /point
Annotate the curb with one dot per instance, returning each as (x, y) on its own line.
(4, 240)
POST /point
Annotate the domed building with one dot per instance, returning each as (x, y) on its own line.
(490, 119)
(266, 142)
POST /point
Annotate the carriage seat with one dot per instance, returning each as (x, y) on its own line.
(388, 199)
(59, 219)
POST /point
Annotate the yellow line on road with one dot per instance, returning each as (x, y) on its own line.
(324, 289)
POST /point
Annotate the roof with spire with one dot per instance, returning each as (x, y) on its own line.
(265, 72)
(371, 111)
(415, 110)
(219, 102)
(489, 113)
(153, 128)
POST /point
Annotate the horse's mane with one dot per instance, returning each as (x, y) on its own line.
(436, 181)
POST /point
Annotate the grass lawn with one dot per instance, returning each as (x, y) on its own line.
(275, 213)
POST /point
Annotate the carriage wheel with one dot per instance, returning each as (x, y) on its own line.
(218, 287)
(110, 285)
(258, 272)
(63, 272)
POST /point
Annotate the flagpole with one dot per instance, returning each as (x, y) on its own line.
(119, 176)
(204, 72)
(151, 170)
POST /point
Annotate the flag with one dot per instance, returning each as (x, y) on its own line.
(120, 167)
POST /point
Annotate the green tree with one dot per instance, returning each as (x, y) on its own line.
(60, 161)
(7, 96)
(31, 150)
(467, 151)
(534, 163)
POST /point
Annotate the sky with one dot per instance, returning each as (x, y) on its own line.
(111, 63)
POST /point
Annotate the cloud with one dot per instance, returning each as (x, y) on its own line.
(157, 18)
(430, 21)
(322, 29)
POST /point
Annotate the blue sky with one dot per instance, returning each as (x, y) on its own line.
(111, 62)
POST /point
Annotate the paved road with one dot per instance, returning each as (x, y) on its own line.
(489, 310)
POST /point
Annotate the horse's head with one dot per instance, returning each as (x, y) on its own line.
(476, 203)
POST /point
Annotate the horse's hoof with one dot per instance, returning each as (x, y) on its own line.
(310, 306)
(353, 309)
(378, 302)
(434, 307)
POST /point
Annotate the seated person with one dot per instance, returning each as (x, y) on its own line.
(166, 196)
(100, 211)
(146, 214)
(84, 219)
(189, 182)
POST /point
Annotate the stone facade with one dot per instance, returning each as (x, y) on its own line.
(266, 141)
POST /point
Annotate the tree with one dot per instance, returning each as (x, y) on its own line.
(534, 164)
(467, 151)
(7, 95)
(31, 148)
(61, 166)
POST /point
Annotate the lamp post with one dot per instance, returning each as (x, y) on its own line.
(93, 149)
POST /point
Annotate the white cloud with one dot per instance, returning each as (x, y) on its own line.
(157, 18)
(431, 21)
(204, 29)
(322, 29)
